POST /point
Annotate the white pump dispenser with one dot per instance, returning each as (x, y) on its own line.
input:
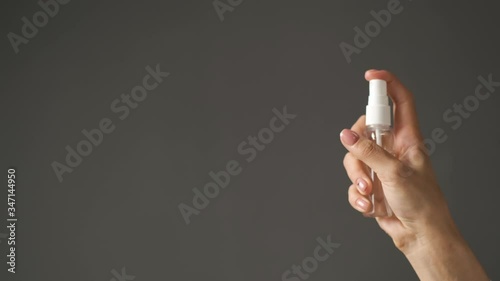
(378, 111)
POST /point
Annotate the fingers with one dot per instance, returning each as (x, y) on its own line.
(358, 201)
(384, 164)
(405, 114)
(357, 172)
(360, 126)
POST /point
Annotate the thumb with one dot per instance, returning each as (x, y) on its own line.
(387, 167)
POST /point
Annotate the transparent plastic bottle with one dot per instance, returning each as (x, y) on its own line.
(378, 129)
(382, 136)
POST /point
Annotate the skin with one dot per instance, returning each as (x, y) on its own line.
(422, 227)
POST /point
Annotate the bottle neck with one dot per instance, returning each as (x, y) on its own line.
(382, 127)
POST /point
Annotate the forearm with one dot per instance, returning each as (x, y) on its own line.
(444, 256)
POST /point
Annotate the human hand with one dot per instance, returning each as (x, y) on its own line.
(407, 177)
(421, 225)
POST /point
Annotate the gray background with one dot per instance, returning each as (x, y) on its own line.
(119, 207)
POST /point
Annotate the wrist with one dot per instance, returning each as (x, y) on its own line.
(436, 234)
(428, 228)
(432, 239)
(439, 252)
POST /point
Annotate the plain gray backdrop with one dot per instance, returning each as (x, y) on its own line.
(119, 207)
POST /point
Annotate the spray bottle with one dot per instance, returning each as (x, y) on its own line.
(378, 129)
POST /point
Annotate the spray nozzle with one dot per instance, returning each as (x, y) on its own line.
(378, 111)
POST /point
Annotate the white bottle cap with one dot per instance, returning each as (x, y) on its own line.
(378, 111)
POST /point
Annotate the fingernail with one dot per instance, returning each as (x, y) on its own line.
(362, 204)
(349, 137)
(362, 185)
